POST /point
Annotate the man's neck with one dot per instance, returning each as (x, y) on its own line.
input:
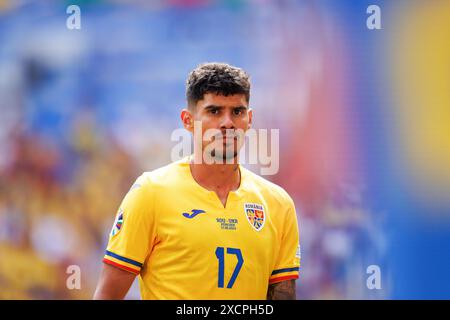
(220, 178)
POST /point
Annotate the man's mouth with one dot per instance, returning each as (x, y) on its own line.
(227, 140)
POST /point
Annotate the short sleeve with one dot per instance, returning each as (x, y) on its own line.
(287, 263)
(133, 233)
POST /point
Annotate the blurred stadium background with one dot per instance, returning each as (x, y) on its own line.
(364, 123)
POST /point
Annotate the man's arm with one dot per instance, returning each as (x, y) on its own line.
(284, 290)
(113, 284)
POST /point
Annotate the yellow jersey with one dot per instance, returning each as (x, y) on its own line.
(184, 244)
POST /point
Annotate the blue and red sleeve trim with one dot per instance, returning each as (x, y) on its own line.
(284, 274)
(121, 262)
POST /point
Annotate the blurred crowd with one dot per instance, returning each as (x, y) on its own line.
(83, 113)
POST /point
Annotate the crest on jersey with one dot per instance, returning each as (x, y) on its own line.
(255, 215)
(118, 223)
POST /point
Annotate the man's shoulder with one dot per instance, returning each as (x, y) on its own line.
(268, 188)
(161, 175)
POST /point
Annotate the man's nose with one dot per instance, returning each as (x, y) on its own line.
(227, 121)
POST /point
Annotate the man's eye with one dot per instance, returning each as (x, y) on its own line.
(238, 111)
(214, 111)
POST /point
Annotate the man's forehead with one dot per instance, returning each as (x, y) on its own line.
(219, 100)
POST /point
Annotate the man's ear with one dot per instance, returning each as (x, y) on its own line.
(250, 118)
(187, 119)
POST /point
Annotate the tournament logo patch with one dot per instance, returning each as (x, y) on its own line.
(255, 215)
(117, 223)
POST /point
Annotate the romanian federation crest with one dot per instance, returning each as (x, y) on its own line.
(117, 223)
(255, 215)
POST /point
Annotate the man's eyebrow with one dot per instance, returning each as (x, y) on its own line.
(212, 106)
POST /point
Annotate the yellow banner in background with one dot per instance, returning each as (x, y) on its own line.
(420, 64)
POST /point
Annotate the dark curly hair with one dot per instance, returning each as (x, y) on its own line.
(218, 78)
